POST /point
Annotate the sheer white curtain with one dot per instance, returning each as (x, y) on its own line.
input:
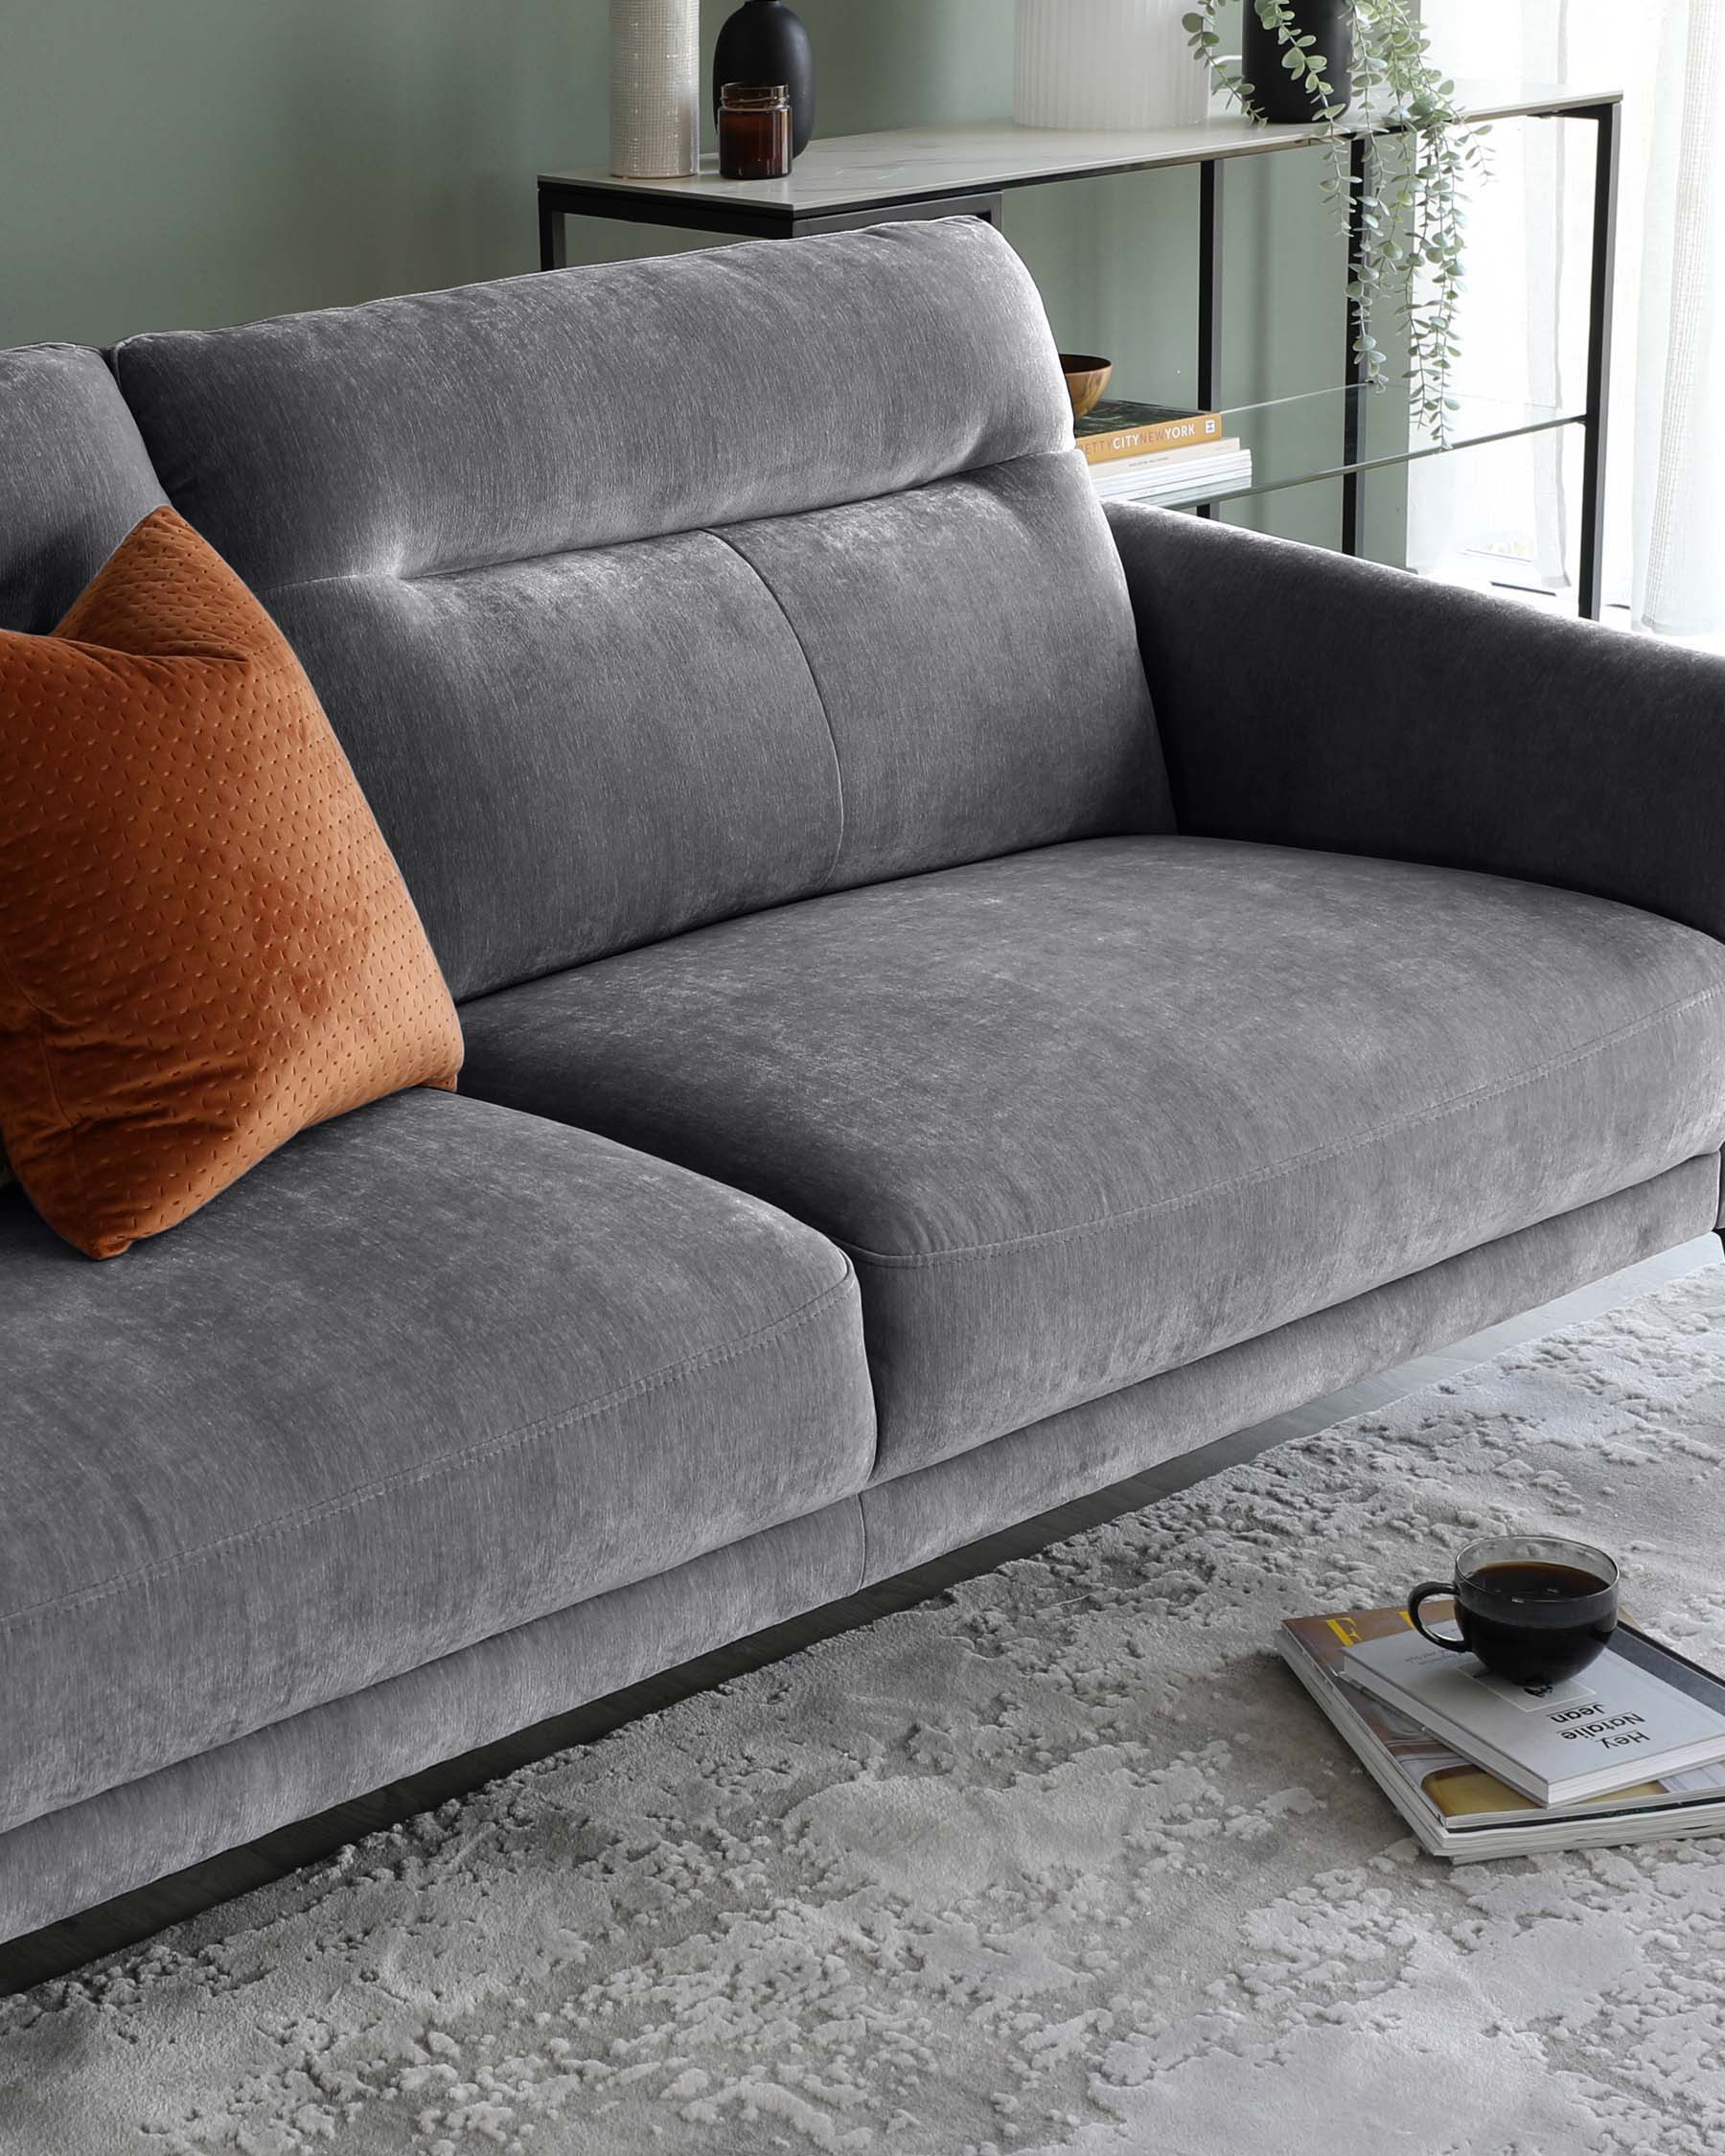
(1524, 312)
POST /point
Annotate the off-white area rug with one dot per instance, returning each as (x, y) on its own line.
(1065, 1862)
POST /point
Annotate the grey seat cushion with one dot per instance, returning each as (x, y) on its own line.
(431, 1372)
(1086, 1114)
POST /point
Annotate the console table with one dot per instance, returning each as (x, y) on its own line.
(1343, 434)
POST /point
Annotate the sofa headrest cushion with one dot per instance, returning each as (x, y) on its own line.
(580, 408)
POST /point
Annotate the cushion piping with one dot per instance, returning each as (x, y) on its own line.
(862, 1255)
(352, 1500)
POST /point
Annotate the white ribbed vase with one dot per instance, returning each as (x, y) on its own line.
(1105, 64)
(654, 88)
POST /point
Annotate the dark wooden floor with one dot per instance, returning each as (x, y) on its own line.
(120, 1923)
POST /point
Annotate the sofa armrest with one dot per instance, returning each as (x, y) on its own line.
(1308, 700)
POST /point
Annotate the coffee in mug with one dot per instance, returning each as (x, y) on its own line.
(1532, 1608)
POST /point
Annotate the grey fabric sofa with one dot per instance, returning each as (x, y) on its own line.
(966, 997)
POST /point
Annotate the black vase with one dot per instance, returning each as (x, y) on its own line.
(1277, 95)
(766, 42)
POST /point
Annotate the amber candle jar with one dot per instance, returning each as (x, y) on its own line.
(754, 130)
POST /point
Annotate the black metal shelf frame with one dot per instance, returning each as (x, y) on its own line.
(561, 196)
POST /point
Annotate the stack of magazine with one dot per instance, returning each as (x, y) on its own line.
(1162, 453)
(1633, 1750)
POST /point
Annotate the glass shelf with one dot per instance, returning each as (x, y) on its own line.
(1296, 440)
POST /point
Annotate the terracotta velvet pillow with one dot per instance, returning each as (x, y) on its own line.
(205, 943)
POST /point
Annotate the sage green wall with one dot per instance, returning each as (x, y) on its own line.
(177, 163)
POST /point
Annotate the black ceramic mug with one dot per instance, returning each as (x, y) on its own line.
(1533, 1608)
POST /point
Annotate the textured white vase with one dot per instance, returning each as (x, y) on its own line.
(654, 88)
(1105, 64)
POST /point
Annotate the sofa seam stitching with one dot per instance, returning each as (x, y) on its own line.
(826, 718)
(352, 1500)
(441, 573)
(1315, 1156)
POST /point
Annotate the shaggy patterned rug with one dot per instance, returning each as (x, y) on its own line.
(1064, 1863)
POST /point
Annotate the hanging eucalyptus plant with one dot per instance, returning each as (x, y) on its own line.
(1413, 210)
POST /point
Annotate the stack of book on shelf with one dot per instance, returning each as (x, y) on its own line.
(1157, 453)
(1630, 1750)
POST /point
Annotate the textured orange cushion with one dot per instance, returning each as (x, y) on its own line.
(205, 943)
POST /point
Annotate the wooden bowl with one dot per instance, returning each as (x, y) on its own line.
(1087, 378)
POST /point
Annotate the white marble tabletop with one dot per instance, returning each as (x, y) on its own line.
(852, 172)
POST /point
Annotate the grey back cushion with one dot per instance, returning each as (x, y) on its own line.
(647, 595)
(74, 479)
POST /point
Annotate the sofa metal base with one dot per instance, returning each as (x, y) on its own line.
(112, 1845)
